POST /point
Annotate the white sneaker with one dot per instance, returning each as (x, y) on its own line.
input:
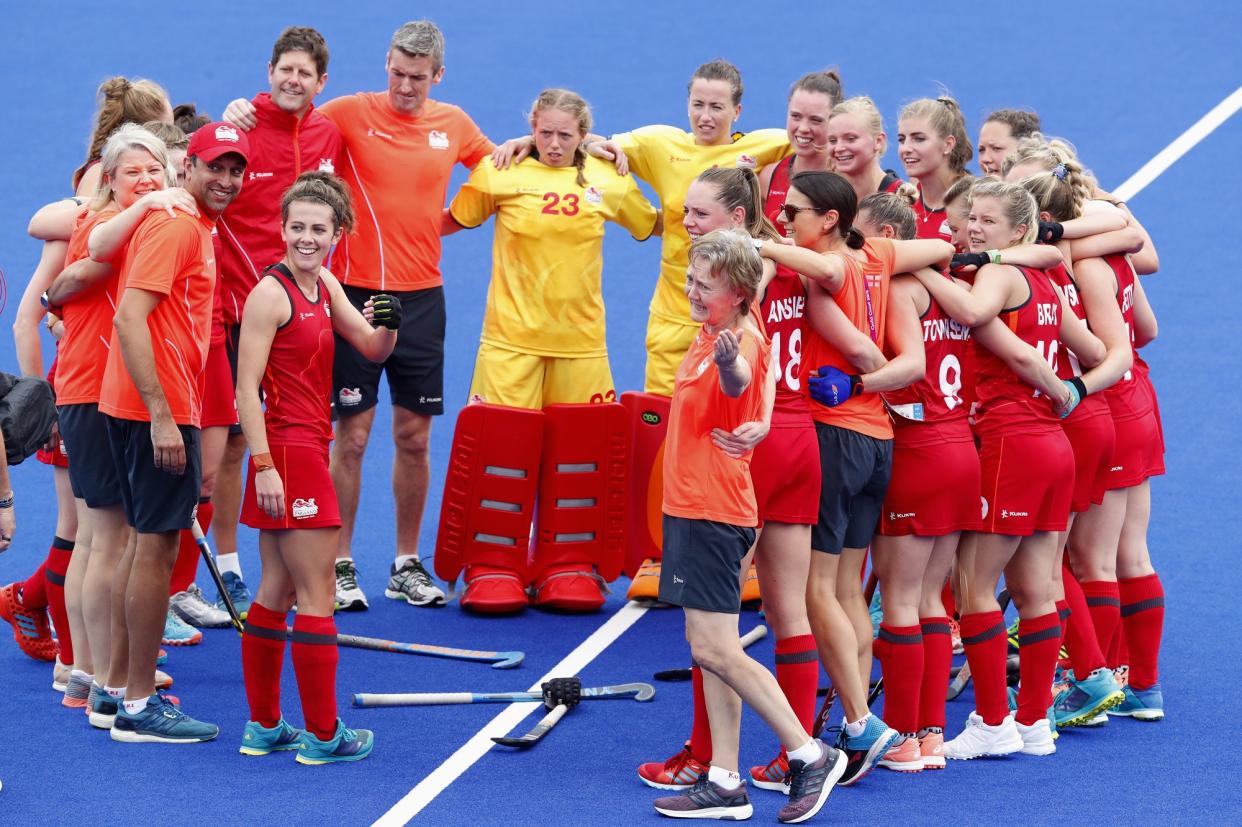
(979, 739)
(349, 598)
(412, 584)
(1036, 738)
(192, 607)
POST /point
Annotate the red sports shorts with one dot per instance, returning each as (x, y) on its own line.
(1027, 482)
(310, 498)
(935, 486)
(785, 472)
(1093, 437)
(219, 400)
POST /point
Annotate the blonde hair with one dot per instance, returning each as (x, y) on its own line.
(128, 136)
(570, 103)
(946, 119)
(172, 135)
(1051, 153)
(961, 190)
(896, 209)
(864, 108)
(1016, 203)
(732, 255)
(122, 101)
(739, 187)
(324, 188)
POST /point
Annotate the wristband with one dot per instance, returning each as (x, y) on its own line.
(994, 256)
(262, 462)
(856, 384)
(1079, 386)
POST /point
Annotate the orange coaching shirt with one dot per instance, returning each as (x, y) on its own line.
(174, 257)
(702, 482)
(83, 349)
(398, 169)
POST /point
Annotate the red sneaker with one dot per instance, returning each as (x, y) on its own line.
(775, 776)
(677, 773)
(31, 629)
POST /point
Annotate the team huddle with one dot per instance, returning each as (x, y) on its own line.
(940, 374)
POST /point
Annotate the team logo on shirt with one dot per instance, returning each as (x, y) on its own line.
(304, 316)
(945, 230)
(984, 502)
(1005, 515)
(745, 160)
(893, 515)
(375, 133)
(326, 165)
(703, 366)
(594, 195)
(304, 508)
(438, 140)
(350, 396)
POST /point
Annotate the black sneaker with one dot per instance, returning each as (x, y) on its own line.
(810, 784)
(707, 800)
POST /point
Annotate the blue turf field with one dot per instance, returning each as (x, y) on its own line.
(1120, 79)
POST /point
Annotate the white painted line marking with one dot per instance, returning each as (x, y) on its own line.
(1185, 142)
(474, 749)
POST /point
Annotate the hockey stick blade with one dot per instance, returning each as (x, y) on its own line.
(641, 692)
(537, 732)
(684, 674)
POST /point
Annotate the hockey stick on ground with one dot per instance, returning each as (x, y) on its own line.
(637, 691)
(560, 695)
(684, 674)
(498, 660)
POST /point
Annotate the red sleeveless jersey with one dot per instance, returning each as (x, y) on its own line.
(778, 188)
(930, 223)
(784, 313)
(1067, 366)
(937, 396)
(298, 377)
(1128, 398)
(1007, 405)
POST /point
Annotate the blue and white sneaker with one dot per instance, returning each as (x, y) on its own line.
(1141, 704)
(347, 745)
(1083, 700)
(863, 752)
(101, 707)
(876, 610)
(260, 740)
(160, 722)
(238, 593)
(179, 633)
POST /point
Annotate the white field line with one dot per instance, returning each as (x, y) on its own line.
(474, 749)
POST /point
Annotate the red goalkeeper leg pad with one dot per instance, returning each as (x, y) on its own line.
(644, 536)
(580, 542)
(489, 500)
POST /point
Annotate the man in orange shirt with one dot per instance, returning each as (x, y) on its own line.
(400, 149)
(153, 402)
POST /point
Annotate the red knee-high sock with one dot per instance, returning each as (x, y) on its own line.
(946, 597)
(700, 729)
(185, 569)
(1039, 640)
(987, 646)
(54, 573)
(314, 661)
(263, 656)
(1103, 599)
(34, 588)
(797, 671)
(937, 665)
(901, 663)
(1081, 636)
(1142, 615)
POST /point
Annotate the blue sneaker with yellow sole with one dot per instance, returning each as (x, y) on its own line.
(1083, 700)
(1141, 704)
(346, 745)
(260, 740)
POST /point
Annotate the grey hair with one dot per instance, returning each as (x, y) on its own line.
(420, 38)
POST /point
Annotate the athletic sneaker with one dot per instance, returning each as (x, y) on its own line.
(876, 610)
(260, 740)
(681, 772)
(1036, 738)
(179, 633)
(1081, 701)
(1050, 717)
(161, 721)
(76, 692)
(707, 799)
(163, 680)
(775, 776)
(1141, 704)
(979, 739)
(346, 745)
(904, 756)
(412, 584)
(955, 635)
(161, 658)
(931, 747)
(349, 598)
(238, 593)
(60, 676)
(863, 751)
(1098, 721)
(810, 784)
(31, 629)
(101, 707)
(1122, 675)
(191, 606)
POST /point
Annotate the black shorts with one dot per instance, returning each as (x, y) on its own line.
(92, 474)
(232, 338)
(155, 501)
(856, 471)
(702, 564)
(415, 369)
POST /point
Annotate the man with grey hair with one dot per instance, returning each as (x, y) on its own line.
(400, 149)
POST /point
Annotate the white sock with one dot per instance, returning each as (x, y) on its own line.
(345, 560)
(808, 753)
(115, 691)
(133, 707)
(229, 562)
(402, 558)
(725, 779)
(855, 729)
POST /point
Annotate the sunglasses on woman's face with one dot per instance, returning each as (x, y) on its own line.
(791, 212)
